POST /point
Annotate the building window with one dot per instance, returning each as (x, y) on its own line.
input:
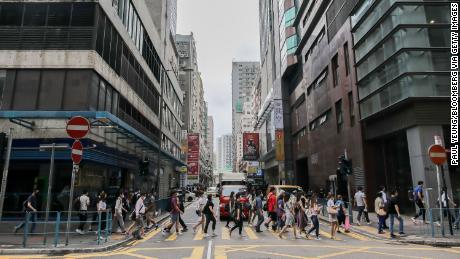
(351, 109)
(335, 70)
(339, 115)
(346, 58)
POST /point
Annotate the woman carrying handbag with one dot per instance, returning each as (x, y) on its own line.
(332, 211)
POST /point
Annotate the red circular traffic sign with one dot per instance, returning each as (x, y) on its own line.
(77, 127)
(437, 154)
(77, 152)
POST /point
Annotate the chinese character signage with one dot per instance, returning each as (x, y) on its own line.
(279, 142)
(250, 146)
(193, 154)
(278, 114)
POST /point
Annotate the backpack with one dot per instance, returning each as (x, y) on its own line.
(77, 203)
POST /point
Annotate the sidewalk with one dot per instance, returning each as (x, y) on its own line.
(11, 244)
(414, 233)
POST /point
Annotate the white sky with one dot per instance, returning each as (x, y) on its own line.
(224, 30)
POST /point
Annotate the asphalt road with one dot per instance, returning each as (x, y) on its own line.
(264, 245)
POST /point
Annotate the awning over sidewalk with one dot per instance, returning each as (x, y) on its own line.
(109, 122)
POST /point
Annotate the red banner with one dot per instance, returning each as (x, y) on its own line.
(250, 146)
(193, 154)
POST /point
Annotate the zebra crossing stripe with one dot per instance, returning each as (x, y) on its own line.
(172, 237)
(251, 234)
(225, 234)
(199, 235)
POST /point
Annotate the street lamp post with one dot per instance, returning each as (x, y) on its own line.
(52, 147)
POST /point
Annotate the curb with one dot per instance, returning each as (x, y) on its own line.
(435, 243)
(61, 251)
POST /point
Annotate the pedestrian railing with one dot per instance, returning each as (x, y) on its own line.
(49, 229)
(442, 222)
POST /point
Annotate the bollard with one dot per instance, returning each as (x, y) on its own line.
(26, 230)
(56, 229)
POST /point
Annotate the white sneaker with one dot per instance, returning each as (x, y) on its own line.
(318, 238)
(413, 220)
(79, 231)
(205, 235)
(213, 235)
(358, 223)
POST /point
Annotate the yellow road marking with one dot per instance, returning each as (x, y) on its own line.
(225, 234)
(373, 231)
(357, 236)
(197, 253)
(251, 234)
(219, 253)
(199, 235)
(343, 252)
(172, 237)
(138, 256)
(276, 254)
(390, 254)
(328, 235)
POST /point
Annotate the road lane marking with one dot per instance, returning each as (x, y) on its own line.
(199, 235)
(251, 234)
(208, 256)
(225, 234)
(138, 255)
(197, 253)
(172, 237)
(373, 231)
(343, 252)
(396, 255)
(328, 235)
(219, 253)
(356, 236)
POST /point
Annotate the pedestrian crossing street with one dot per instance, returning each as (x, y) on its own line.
(249, 234)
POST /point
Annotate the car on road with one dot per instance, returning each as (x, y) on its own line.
(285, 188)
(224, 199)
(212, 190)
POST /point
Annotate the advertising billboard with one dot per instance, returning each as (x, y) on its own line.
(193, 154)
(250, 146)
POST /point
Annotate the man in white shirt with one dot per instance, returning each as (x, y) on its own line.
(84, 203)
(361, 204)
(140, 212)
(119, 212)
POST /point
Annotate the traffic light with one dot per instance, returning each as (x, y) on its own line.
(345, 166)
(144, 167)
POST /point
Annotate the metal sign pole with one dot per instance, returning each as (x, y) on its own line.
(439, 198)
(5, 172)
(75, 169)
(48, 196)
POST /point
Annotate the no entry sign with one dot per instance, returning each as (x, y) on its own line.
(437, 154)
(77, 152)
(77, 127)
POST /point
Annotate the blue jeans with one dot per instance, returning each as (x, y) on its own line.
(392, 222)
(381, 223)
(32, 219)
(457, 220)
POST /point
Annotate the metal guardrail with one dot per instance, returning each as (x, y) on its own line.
(36, 232)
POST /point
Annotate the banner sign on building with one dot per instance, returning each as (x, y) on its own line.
(193, 154)
(250, 146)
(278, 114)
(279, 143)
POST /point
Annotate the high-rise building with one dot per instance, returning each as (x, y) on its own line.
(244, 75)
(402, 64)
(104, 60)
(195, 111)
(210, 138)
(224, 154)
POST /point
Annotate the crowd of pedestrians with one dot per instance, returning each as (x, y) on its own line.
(277, 210)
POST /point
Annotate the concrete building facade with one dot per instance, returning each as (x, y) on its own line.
(244, 75)
(104, 60)
(224, 154)
(194, 112)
